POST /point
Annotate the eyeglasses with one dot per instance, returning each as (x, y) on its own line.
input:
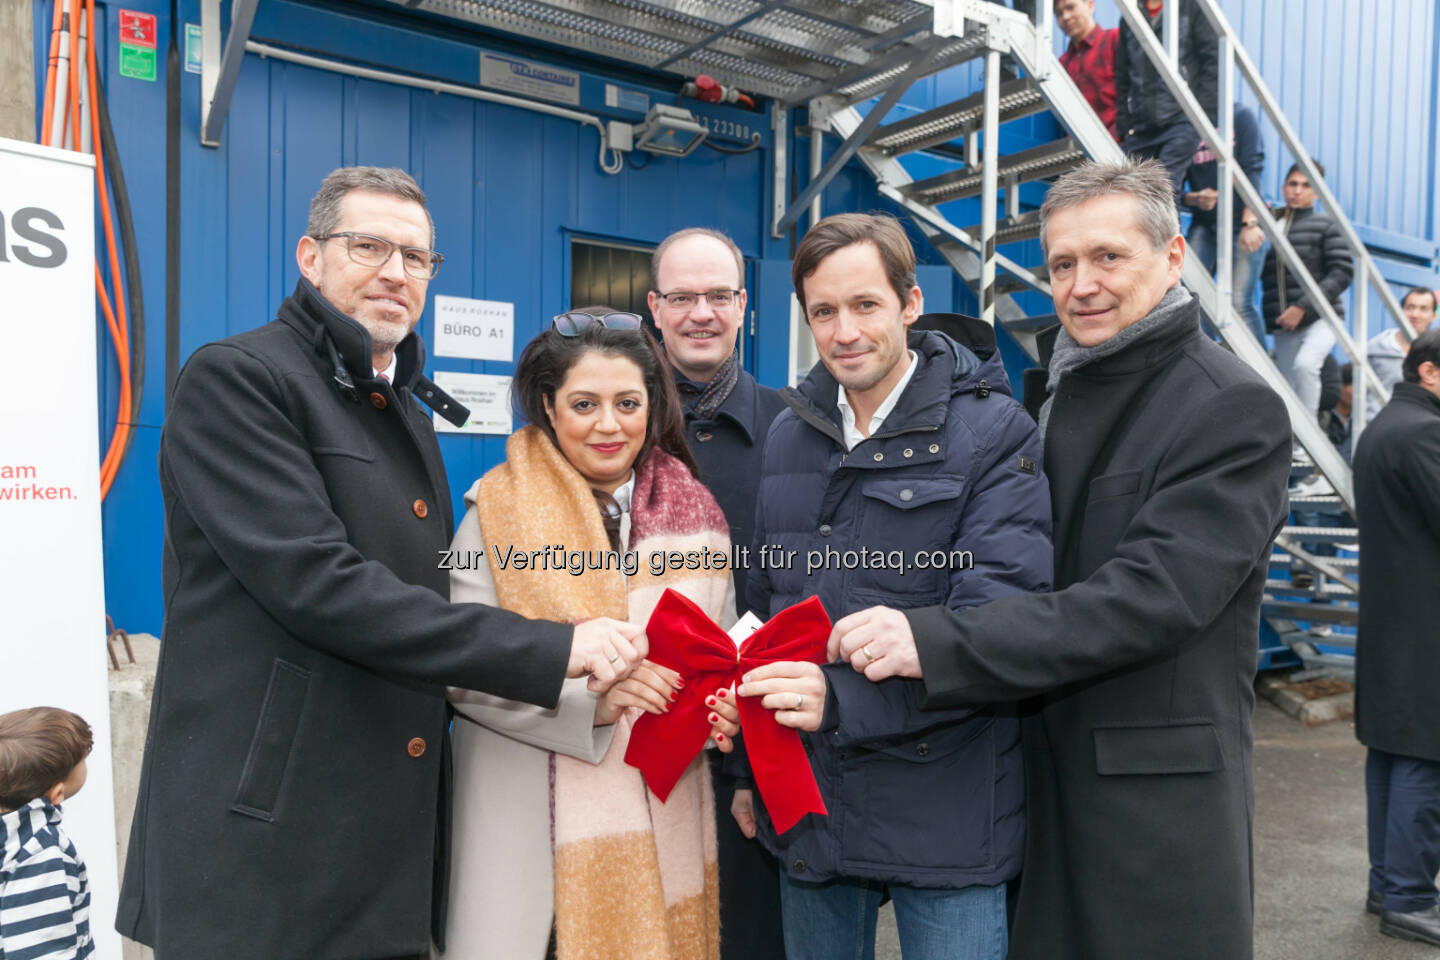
(570, 324)
(685, 300)
(371, 251)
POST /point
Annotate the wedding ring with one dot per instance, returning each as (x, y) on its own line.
(614, 659)
(799, 701)
(868, 655)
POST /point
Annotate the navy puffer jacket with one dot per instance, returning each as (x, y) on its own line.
(930, 798)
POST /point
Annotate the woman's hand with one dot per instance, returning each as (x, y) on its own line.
(651, 688)
(724, 718)
(795, 690)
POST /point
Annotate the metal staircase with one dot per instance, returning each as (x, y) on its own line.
(1303, 609)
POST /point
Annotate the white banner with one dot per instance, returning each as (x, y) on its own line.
(51, 585)
(486, 394)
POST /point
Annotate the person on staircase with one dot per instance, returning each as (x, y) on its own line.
(1090, 57)
(1148, 118)
(1386, 350)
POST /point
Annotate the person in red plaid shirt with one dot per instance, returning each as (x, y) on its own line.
(1090, 58)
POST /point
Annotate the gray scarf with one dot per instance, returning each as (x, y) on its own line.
(1069, 355)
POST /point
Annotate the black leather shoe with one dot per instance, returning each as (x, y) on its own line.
(1423, 925)
(1374, 903)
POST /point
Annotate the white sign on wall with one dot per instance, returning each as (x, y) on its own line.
(487, 396)
(51, 583)
(474, 329)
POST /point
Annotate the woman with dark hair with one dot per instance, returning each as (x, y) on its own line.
(559, 849)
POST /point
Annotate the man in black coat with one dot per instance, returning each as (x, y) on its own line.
(1167, 460)
(292, 802)
(1397, 713)
(1148, 118)
(698, 304)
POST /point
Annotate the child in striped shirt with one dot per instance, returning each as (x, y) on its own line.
(44, 891)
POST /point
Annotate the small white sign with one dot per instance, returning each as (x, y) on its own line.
(487, 396)
(529, 79)
(474, 329)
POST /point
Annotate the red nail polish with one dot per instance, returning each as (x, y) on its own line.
(679, 681)
(713, 719)
(709, 701)
(719, 738)
(674, 697)
(722, 693)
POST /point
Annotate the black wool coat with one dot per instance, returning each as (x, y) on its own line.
(1168, 464)
(291, 797)
(727, 448)
(1397, 499)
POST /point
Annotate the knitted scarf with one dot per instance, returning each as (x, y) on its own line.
(635, 878)
(704, 403)
(1069, 355)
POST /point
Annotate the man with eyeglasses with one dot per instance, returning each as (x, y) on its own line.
(294, 796)
(698, 303)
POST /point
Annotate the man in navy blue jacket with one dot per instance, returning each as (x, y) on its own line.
(903, 473)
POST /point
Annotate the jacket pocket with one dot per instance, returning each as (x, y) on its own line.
(900, 519)
(1177, 748)
(1114, 485)
(273, 741)
(927, 802)
(914, 493)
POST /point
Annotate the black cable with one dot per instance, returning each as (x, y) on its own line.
(734, 151)
(630, 159)
(134, 297)
(172, 205)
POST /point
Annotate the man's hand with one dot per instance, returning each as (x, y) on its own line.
(1291, 318)
(794, 689)
(1252, 238)
(877, 642)
(607, 651)
(1202, 199)
(742, 808)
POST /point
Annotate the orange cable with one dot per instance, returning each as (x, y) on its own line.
(74, 111)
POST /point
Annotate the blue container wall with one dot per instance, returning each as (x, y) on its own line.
(510, 188)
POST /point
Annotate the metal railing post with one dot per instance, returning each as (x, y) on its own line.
(989, 185)
(1225, 182)
(1359, 399)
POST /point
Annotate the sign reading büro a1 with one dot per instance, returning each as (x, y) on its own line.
(474, 329)
(51, 585)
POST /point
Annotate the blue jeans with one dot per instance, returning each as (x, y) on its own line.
(1402, 797)
(835, 920)
(1244, 276)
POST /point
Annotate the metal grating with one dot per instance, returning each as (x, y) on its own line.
(792, 50)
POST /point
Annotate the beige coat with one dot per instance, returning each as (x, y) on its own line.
(502, 892)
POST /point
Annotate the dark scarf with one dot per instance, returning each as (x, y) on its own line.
(703, 401)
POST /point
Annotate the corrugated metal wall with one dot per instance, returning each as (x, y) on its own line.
(510, 189)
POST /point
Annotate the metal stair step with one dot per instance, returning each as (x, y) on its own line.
(1009, 283)
(1018, 98)
(1284, 559)
(1284, 588)
(1322, 534)
(1318, 500)
(1038, 163)
(1031, 324)
(1024, 227)
(1311, 612)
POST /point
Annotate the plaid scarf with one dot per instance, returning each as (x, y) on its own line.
(703, 401)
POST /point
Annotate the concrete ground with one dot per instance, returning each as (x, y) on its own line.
(1310, 859)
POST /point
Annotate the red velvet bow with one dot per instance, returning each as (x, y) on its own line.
(684, 639)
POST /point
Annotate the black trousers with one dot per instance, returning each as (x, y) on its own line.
(750, 927)
(1173, 145)
(1402, 797)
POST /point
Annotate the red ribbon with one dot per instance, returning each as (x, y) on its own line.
(684, 639)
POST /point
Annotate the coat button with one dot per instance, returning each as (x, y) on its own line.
(923, 749)
(798, 866)
(825, 529)
(702, 435)
(377, 400)
(907, 494)
(415, 747)
(909, 453)
(934, 448)
(420, 509)
(879, 457)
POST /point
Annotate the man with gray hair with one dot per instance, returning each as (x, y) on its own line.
(1167, 460)
(294, 796)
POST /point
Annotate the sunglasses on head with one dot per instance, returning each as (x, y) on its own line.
(570, 324)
